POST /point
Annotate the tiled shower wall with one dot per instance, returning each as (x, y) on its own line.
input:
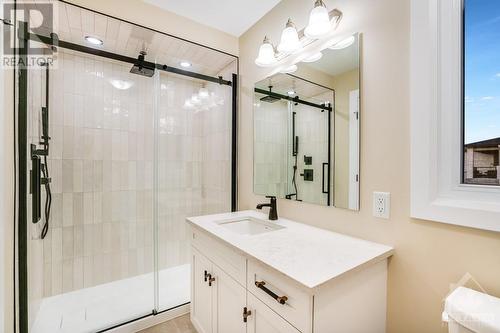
(271, 147)
(312, 130)
(102, 164)
(194, 161)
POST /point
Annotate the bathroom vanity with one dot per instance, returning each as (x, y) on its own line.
(250, 274)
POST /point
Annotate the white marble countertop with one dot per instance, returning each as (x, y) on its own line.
(306, 254)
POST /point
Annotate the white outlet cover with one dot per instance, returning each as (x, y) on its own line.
(381, 204)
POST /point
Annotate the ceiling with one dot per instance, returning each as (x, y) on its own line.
(231, 16)
(74, 23)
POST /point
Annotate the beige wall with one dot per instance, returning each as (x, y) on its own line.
(429, 256)
(134, 11)
(343, 84)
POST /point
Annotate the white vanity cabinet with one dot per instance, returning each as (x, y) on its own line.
(217, 299)
(235, 292)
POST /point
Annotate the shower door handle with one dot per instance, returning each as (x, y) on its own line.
(323, 178)
(35, 187)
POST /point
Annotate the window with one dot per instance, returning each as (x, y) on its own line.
(481, 92)
(443, 119)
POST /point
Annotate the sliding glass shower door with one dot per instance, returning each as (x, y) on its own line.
(116, 161)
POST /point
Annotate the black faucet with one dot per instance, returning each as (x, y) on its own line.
(273, 211)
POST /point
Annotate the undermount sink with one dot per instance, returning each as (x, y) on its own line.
(249, 226)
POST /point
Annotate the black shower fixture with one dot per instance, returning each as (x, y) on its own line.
(142, 67)
(270, 98)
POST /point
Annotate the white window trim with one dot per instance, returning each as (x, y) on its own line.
(436, 146)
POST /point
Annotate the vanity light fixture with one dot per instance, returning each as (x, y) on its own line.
(267, 56)
(345, 43)
(185, 64)
(289, 70)
(313, 58)
(289, 39)
(319, 21)
(94, 40)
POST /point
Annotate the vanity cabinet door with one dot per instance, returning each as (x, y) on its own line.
(201, 292)
(265, 320)
(229, 302)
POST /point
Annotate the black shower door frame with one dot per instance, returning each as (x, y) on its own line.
(24, 38)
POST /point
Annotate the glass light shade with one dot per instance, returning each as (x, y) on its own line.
(266, 56)
(289, 69)
(195, 100)
(319, 21)
(343, 43)
(289, 39)
(313, 58)
(188, 104)
(203, 93)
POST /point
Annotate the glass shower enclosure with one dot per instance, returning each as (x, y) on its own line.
(115, 150)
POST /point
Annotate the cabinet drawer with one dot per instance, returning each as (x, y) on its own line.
(297, 308)
(264, 320)
(229, 260)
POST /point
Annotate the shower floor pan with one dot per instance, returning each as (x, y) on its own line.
(103, 306)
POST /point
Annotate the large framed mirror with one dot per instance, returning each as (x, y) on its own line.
(306, 130)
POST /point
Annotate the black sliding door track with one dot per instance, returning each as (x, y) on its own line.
(293, 99)
(54, 41)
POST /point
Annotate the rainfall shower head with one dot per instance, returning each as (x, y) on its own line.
(270, 98)
(143, 68)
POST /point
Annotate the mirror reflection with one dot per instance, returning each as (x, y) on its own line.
(306, 130)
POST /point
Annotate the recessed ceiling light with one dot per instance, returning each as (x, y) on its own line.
(185, 64)
(94, 40)
(121, 84)
(291, 92)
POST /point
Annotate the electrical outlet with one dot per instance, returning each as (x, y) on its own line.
(381, 204)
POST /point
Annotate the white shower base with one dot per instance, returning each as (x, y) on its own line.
(110, 304)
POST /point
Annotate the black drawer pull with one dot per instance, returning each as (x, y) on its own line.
(210, 280)
(246, 313)
(279, 299)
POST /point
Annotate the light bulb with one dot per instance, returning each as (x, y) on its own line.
(289, 69)
(291, 92)
(266, 56)
(203, 93)
(313, 58)
(319, 21)
(94, 40)
(343, 43)
(289, 39)
(195, 100)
